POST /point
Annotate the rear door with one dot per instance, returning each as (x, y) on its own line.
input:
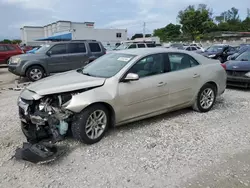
(58, 60)
(183, 78)
(77, 55)
(3, 53)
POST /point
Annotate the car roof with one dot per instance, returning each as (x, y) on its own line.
(74, 41)
(147, 51)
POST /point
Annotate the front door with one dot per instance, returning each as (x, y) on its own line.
(183, 79)
(146, 95)
(58, 59)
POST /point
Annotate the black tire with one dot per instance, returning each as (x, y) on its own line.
(33, 68)
(79, 124)
(197, 105)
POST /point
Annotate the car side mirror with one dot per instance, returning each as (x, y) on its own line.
(229, 57)
(49, 53)
(131, 77)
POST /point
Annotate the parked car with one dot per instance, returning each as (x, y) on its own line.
(194, 49)
(179, 46)
(26, 48)
(8, 50)
(239, 52)
(238, 71)
(196, 44)
(219, 51)
(132, 45)
(55, 58)
(116, 89)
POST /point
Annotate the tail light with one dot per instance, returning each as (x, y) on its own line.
(224, 65)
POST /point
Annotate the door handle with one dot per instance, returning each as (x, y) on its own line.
(196, 75)
(161, 84)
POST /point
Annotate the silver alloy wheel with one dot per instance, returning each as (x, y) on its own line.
(36, 74)
(96, 124)
(207, 98)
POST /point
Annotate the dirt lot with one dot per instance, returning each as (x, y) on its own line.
(181, 149)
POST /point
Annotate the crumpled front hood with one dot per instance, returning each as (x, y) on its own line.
(64, 82)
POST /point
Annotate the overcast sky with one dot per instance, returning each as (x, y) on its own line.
(128, 14)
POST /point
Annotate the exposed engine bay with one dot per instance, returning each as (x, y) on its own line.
(44, 122)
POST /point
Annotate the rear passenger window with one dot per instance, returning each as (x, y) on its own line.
(141, 45)
(76, 48)
(179, 61)
(94, 47)
(193, 48)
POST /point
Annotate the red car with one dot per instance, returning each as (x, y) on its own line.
(8, 50)
(26, 48)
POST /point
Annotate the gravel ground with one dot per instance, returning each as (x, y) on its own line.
(180, 149)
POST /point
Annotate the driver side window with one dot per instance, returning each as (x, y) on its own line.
(149, 66)
(58, 49)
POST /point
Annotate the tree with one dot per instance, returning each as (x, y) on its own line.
(169, 32)
(196, 22)
(246, 24)
(16, 41)
(6, 41)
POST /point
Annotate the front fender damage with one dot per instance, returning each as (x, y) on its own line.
(44, 122)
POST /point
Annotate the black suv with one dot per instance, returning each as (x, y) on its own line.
(55, 58)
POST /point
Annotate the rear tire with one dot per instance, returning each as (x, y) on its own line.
(205, 98)
(91, 124)
(35, 73)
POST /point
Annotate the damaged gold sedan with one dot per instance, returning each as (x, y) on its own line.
(116, 89)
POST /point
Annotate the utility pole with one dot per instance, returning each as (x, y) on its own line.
(144, 29)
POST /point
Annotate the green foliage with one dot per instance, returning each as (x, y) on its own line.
(198, 22)
(7, 41)
(169, 32)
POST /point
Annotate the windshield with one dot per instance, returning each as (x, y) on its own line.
(43, 49)
(244, 56)
(122, 46)
(107, 65)
(214, 48)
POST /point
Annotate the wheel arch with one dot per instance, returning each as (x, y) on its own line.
(214, 84)
(110, 110)
(36, 64)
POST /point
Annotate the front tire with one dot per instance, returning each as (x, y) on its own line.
(91, 124)
(35, 73)
(205, 98)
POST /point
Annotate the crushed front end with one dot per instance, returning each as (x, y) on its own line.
(44, 118)
(44, 121)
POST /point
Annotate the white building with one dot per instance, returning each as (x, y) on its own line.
(76, 31)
